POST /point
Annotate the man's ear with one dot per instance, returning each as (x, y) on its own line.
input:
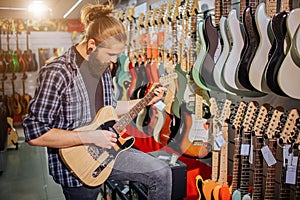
(91, 44)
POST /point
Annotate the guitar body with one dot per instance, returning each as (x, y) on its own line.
(212, 40)
(13, 137)
(123, 76)
(230, 68)
(289, 70)
(208, 187)
(194, 136)
(133, 74)
(236, 195)
(216, 192)
(95, 163)
(199, 184)
(224, 193)
(24, 101)
(180, 89)
(260, 60)
(252, 39)
(217, 72)
(200, 58)
(279, 30)
(158, 124)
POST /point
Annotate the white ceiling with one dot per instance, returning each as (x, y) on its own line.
(58, 8)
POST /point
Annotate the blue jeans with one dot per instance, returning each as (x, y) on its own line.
(133, 165)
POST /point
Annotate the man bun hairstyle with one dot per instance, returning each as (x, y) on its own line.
(100, 25)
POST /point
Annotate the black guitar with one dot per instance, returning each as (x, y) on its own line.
(279, 30)
(251, 44)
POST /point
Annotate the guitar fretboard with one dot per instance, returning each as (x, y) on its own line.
(128, 117)
(271, 170)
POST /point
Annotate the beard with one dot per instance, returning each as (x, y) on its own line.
(96, 67)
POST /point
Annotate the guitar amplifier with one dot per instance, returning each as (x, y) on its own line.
(179, 171)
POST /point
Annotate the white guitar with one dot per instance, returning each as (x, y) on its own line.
(289, 72)
(217, 72)
(230, 68)
(260, 60)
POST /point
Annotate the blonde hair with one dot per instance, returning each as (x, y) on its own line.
(100, 26)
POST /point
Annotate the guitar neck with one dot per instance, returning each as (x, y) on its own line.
(226, 7)
(224, 158)
(271, 7)
(236, 161)
(271, 172)
(258, 168)
(218, 7)
(127, 118)
(253, 4)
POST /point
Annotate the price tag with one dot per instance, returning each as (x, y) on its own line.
(160, 105)
(268, 156)
(291, 172)
(286, 153)
(245, 148)
(251, 154)
(216, 146)
(219, 139)
(168, 44)
(174, 159)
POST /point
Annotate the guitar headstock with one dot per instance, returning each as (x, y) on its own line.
(155, 14)
(274, 123)
(140, 21)
(287, 133)
(167, 13)
(214, 110)
(194, 9)
(160, 16)
(175, 12)
(261, 119)
(239, 115)
(249, 116)
(225, 111)
(147, 19)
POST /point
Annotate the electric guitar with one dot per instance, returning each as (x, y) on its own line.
(222, 191)
(246, 129)
(92, 164)
(206, 187)
(256, 71)
(257, 140)
(236, 175)
(289, 69)
(271, 141)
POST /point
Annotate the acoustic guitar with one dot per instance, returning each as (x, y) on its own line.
(92, 164)
(12, 138)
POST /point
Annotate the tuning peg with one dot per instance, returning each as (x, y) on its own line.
(280, 141)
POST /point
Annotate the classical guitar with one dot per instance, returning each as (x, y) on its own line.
(92, 164)
(29, 56)
(25, 98)
(289, 69)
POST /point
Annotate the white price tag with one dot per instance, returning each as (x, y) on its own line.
(168, 44)
(286, 153)
(291, 174)
(251, 154)
(220, 139)
(160, 105)
(268, 156)
(245, 148)
(216, 146)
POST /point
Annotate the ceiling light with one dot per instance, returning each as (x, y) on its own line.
(38, 9)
